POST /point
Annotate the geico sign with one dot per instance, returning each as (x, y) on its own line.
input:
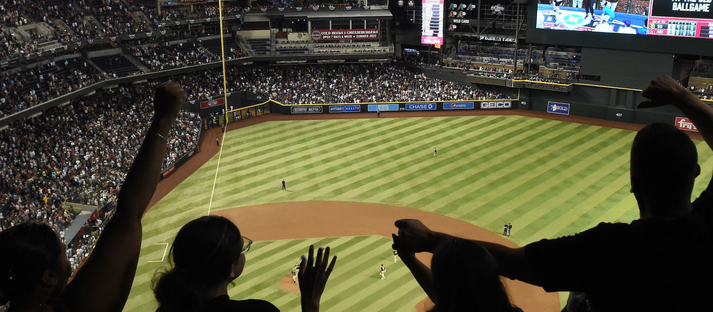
(489, 105)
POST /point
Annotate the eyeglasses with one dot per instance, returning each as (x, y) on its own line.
(247, 246)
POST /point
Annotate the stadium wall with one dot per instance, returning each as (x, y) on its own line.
(593, 100)
(628, 69)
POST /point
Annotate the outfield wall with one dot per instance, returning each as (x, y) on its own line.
(584, 100)
(344, 108)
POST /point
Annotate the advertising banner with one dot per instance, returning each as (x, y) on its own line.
(344, 34)
(557, 108)
(344, 108)
(212, 103)
(458, 105)
(383, 107)
(685, 124)
(495, 105)
(306, 109)
(169, 171)
(421, 106)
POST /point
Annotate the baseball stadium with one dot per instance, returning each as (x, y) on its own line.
(322, 123)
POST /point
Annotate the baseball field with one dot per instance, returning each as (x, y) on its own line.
(348, 179)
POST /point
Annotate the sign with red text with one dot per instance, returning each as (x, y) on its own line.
(685, 124)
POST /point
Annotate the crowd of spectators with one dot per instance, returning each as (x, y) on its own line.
(201, 11)
(160, 57)
(79, 153)
(111, 18)
(23, 89)
(313, 84)
(11, 46)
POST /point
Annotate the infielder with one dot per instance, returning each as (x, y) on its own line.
(295, 271)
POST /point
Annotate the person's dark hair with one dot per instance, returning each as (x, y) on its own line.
(466, 278)
(27, 250)
(664, 164)
(201, 256)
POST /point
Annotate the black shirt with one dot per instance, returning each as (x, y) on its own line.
(224, 304)
(648, 265)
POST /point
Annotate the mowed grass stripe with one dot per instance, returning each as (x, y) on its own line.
(270, 272)
(353, 264)
(473, 160)
(367, 168)
(178, 216)
(496, 133)
(332, 153)
(411, 168)
(557, 168)
(281, 259)
(451, 159)
(457, 150)
(483, 171)
(536, 229)
(525, 213)
(269, 142)
(409, 158)
(529, 202)
(583, 202)
(366, 286)
(235, 181)
(488, 181)
(378, 298)
(351, 163)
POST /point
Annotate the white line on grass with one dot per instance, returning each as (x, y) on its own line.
(164, 252)
(215, 180)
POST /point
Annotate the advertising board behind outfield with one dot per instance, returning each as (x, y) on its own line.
(421, 106)
(383, 107)
(557, 108)
(458, 105)
(306, 109)
(344, 108)
(685, 124)
(495, 104)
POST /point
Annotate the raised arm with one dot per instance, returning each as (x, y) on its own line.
(664, 90)
(104, 281)
(419, 270)
(415, 237)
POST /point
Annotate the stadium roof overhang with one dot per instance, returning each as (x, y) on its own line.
(325, 14)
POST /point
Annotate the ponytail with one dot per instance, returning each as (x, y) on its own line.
(176, 291)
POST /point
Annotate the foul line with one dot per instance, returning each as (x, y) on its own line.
(215, 180)
(164, 252)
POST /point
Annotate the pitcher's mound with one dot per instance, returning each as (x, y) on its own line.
(287, 284)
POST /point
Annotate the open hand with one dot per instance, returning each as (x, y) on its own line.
(313, 277)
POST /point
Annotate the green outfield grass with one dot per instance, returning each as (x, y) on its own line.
(548, 178)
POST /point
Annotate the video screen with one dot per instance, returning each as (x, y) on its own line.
(671, 18)
(432, 22)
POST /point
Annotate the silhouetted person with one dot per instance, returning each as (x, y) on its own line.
(207, 254)
(34, 269)
(660, 262)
